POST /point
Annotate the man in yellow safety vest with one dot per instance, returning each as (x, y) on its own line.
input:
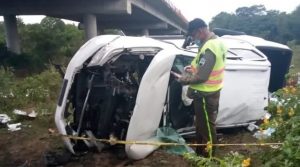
(205, 79)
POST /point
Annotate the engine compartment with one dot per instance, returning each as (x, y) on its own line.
(102, 98)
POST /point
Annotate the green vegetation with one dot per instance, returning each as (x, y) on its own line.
(285, 111)
(256, 20)
(232, 159)
(38, 92)
(296, 58)
(286, 120)
(28, 80)
(50, 42)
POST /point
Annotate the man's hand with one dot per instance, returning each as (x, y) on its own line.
(176, 75)
(189, 69)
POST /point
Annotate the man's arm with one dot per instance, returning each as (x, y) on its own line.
(202, 73)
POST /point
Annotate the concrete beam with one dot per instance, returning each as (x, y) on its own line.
(90, 26)
(11, 33)
(156, 12)
(166, 32)
(133, 26)
(64, 7)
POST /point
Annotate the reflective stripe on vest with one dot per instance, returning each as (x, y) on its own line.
(215, 80)
(217, 72)
(213, 77)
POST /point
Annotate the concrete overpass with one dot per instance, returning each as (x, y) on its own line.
(134, 17)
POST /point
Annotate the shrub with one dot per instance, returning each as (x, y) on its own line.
(38, 91)
(285, 119)
(232, 159)
(6, 82)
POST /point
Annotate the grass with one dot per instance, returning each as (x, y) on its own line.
(38, 92)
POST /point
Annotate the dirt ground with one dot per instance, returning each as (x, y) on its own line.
(29, 146)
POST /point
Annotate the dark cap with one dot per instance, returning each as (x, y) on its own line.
(196, 24)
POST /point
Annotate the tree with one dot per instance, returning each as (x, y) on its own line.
(52, 23)
(224, 20)
(51, 40)
(294, 24)
(256, 20)
(2, 33)
(255, 10)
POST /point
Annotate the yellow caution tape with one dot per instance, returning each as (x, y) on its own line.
(113, 141)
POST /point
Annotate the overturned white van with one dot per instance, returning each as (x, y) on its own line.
(121, 86)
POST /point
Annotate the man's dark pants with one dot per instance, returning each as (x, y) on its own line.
(210, 104)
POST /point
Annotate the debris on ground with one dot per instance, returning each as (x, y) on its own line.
(4, 119)
(264, 134)
(14, 127)
(167, 134)
(19, 112)
(51, 131)
(267, 116)
(32, 114)
(252, 127)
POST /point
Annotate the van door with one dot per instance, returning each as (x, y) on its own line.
(150, 103)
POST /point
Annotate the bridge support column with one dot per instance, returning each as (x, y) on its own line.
(11, 33)
(90, 26)
(145, 32)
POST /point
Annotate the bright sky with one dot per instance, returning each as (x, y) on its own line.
(30, 19)
(206, 9)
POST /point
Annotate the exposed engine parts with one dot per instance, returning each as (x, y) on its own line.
(103, 97)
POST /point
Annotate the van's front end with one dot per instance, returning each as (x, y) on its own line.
(104, 91)
(75, 66)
